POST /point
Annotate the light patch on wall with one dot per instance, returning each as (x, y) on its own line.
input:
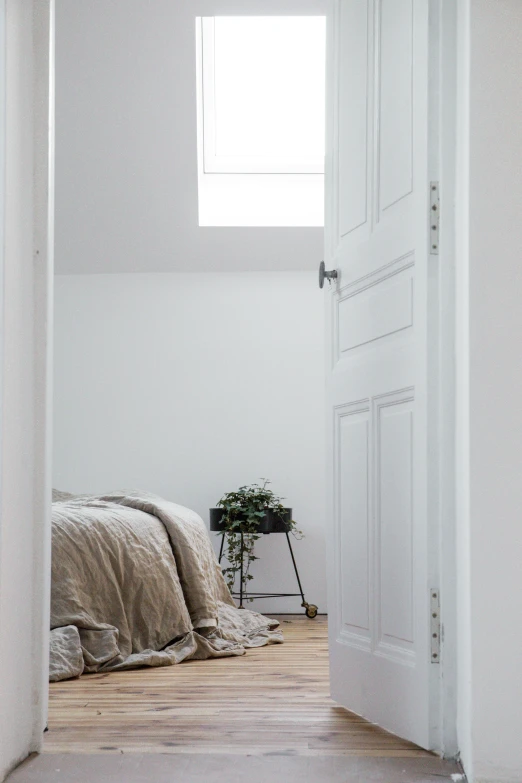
(261, 99)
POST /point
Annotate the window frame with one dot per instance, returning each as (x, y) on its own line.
(238, 164)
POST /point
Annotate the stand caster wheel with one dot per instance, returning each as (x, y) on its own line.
(310, 610)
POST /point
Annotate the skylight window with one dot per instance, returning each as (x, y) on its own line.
(261, 96)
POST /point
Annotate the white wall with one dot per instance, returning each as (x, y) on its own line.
(24, 529)
(190, 385)
(126, 170)
(495, 298)
(491, 642)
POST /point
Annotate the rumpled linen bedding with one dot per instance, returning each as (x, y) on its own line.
(135, 582)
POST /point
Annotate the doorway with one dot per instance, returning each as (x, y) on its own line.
(110, 748)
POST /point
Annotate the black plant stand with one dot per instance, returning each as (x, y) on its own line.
(310, 609)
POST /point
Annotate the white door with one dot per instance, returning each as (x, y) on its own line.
(378, 239)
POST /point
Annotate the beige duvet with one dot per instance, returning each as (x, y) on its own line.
(135, 582)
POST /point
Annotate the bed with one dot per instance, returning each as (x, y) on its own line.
(135, 582)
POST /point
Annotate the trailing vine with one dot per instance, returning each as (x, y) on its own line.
(245, 509)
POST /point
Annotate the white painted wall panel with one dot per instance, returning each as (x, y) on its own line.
(495, 389)
(489, 424)
(26, 268)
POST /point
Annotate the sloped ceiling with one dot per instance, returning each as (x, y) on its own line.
(126, 170)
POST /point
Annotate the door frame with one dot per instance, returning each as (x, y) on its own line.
(43, 242)
(26, 270)
(444, 114)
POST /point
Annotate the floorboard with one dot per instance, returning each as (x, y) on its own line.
(273, 700)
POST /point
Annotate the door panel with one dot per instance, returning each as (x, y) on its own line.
(377, 237)
(393, 518)
(375, 312)
(394, 83)
(353, 119)
(354, 521)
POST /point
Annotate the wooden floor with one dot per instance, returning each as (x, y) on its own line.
(272, 700)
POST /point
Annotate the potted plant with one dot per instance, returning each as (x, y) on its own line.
(244, 515)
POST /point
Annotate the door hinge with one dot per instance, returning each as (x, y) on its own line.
(434, 218)
(435, 625)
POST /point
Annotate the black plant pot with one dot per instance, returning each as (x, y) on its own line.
(272, 522)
